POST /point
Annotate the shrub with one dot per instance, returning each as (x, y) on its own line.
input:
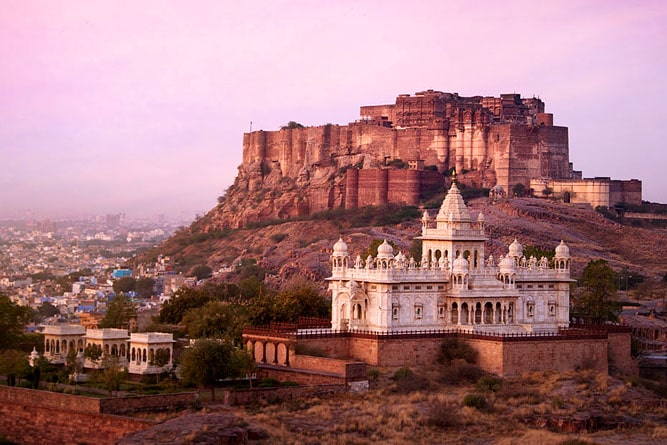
(489, 384)
(460, 372)
(444, 416)
(475, 401)
(373, 374)
(278, 237)
(456, 349)
(406, 381)
(557, 403)
(268, 382)
(402, 373)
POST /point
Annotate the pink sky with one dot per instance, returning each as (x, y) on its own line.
(140, 106)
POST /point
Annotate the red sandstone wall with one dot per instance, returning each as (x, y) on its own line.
(502, 358)
(629, 192)
(245, 397)
(123, 405)
(351, 371)
(49, 400)
(40, 417)
(620, 357)
(562, 355)
(331, 347)
(307, 378)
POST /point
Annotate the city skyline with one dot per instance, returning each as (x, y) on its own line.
(140, 108)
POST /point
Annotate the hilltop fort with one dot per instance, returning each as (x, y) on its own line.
(397, 153)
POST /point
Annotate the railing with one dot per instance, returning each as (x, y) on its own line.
(562, 334)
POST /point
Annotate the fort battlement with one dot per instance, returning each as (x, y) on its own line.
(397, 154)
(508, 134)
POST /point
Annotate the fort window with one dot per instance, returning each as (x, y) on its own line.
(441, 287)
(519, 286)
(531, 309)
(418, 312)
(551, 286)
(530, 286)
(394, 287)
(418, 287)
(540, 286)
(441, 311)
(373, 287)
(429, 287)
(406, 287)
(394, 312)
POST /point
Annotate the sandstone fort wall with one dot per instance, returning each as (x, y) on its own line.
(503, 141)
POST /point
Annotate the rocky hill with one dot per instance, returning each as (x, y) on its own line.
(286, 248)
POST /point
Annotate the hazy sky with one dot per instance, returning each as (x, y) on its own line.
(140, 106)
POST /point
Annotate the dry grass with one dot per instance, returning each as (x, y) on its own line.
(515, 412)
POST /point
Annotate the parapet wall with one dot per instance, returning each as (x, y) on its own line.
(40, 417)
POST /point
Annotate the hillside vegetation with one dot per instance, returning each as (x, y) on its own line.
(288, 247)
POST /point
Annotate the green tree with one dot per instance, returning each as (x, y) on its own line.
(594, 300)
(291, 125)
(93, 352)
(373, 248)
(46, 310)
(202, 272)
(112, 375)
(217, 319)
(209, 361)
(13, 365)
(251, 288)
(538, 252)
(119, 312)
(125, 285)
(144, 287)
(184, 300)
(72, 362)
(160, 358)
(13, 319)
(299, 298)
(519, 189)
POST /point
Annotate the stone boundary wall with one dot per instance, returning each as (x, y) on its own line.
(40, 417)
(301, 376)
(249, 396)
(157, 402)
(500, 356)
(49, 400)
(619, 358)
(351, 371)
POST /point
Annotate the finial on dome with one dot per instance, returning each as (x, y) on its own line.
(454, 176)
